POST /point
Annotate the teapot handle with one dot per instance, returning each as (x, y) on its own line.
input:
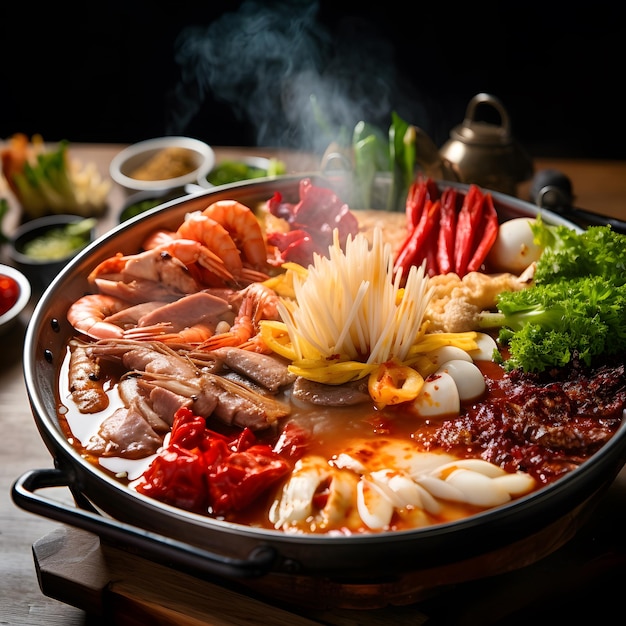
(485, 98)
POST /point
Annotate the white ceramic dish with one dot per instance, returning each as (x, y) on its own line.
(128, 160)
(8, 318)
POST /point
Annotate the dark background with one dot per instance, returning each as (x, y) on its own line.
(119, 72)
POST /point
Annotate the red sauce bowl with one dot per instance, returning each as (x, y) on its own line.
(15, 293)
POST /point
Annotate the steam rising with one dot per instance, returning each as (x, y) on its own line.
(293, 80)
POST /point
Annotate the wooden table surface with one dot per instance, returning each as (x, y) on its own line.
(598, 186)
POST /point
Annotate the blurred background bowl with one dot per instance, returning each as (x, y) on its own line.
(143, 201)
(235, 170)
(162, 164)
(55, 246)
(15, 291)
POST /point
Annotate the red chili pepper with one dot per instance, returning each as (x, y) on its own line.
(413, 251)
(177, 477)
(245, 440)
(187, 429)
(293, 441)
(204, 471)
(415, 201)
(420, 192)
(467, 224)
(447, 231)
(432, 248)
(237, 482)
(489, 229)
(426, 191)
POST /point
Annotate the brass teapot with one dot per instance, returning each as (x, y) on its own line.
(477, 152)
(486, 154)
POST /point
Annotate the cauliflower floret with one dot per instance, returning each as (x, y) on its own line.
(456, 302)
(456, 316)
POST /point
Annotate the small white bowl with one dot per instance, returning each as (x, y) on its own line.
(8, 318)
(128, 160)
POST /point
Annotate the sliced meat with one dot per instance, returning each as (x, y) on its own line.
(133, 397)
(166, 403)
(239, 411)
(211, 395)
(331, 395)
(241, 407)
(126, 434)
(269, 371)
(143, 356)
(244, 381)
(197, 308)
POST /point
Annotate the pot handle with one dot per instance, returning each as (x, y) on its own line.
(177, 554)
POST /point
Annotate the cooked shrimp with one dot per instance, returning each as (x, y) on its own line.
(161, 273)
(155, 265)
(242, 329)
(243, 227)
(166, 333)
(86, 386)
(257, 302)
(191, 251)
(88, 315)
(266, 300)
(158, 238)
(215, 237)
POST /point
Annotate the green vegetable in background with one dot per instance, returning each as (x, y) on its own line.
(140, 207)
(372, 152)
(235, 171)
(276, 167)
(48, 183)
(576, 308)
(402, 138)
(60, 242)
(371, 155)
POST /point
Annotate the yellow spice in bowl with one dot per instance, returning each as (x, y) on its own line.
(167, 163)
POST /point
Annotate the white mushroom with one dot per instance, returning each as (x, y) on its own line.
(447, 353)
(469, 380)
(439, 397)
(486, 346)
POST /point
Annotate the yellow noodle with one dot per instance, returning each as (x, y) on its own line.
(350, 314)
